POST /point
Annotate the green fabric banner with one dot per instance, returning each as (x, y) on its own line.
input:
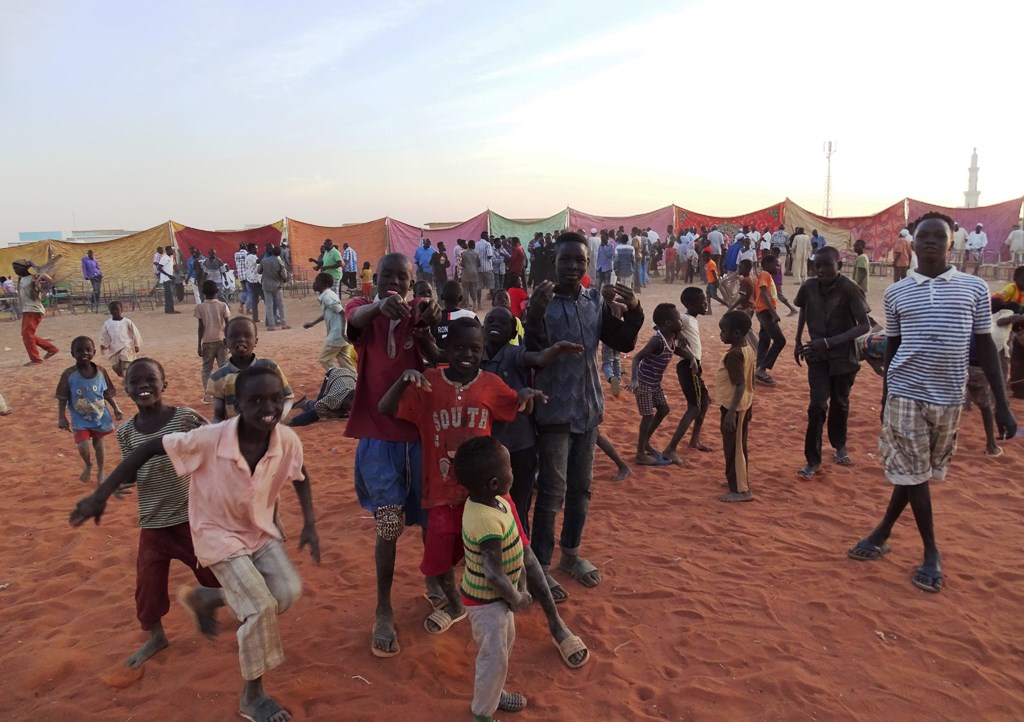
(524, 230)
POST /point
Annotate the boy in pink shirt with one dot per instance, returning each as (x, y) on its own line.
(238, 468)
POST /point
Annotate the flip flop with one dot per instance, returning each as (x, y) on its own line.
(435, 605)
(580, 569)
(994, 454)
(511, 702)
(658, 461)
(264, 711)
(443, 620)
(569, 646)
(552, 586)
(865, 551)
(383, 653)
(927, 578)
(808, 472)
(843, 460)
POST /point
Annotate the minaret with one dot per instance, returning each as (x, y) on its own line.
(972, 193)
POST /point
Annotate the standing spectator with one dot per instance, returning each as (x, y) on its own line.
(901, 256)
(195, 271)
(422, 258)
(625, 262)
(780, 242)
(91, 273)
(286, 254)
(959, 243)
(349, 265)
(592, 245)
(470, 273)
(460, 246)
(485, 251)
(165, 271)
(977, 242)
(156, 266)
(516, 265)
(834, 310)
(1015, 242)
(240, 256)
(717, 241)
(861, 267)
(501, 255)
(605, 260)
(801, 247)
(275, 276)
(216, 271)
(32, 311)
(332, 263)
(439, 264)
(254, 280)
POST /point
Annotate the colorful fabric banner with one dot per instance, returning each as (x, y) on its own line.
(658, 220)
(225, 243)
(35, 252)
(370, 241)
(998, 220)
(772, 217)
(404, 238)
(525, 230)
(878, 231)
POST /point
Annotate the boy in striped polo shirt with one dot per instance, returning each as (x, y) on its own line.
(931, 316)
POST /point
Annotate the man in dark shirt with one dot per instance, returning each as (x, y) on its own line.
(567, 423)
(835, 312)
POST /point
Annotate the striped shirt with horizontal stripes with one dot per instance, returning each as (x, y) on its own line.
(162, 494)
(222, 383)
(481, 522)
(652, 367)
(935, 319)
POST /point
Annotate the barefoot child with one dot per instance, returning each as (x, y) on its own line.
(448, 406)
(649, 366)
(690, 375)
(213, 315)
(164, 532)
(366, 280)
(120, 338)
(237, 470)
(240, 334)
(336, 351)
(85, 389)
(931, 317)
(734, 385)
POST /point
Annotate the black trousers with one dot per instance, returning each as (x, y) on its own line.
(830, 398)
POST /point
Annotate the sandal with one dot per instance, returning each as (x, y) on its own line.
(511, 702)
(442, 620)
(865, 551)
(568, 647)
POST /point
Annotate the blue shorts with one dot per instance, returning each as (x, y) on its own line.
(390, 473)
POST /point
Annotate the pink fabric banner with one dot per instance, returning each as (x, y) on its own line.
(772, 217)
(404, 238)
(658, 220)
(998, 220)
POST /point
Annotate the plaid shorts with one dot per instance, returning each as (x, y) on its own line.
(918, 440)
(649, 397)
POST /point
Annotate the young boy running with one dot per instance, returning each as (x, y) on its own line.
(30, 301)
(690, 375)
(388, 463)
(240, 333)
(931, 317)
(771, 340)
(164, 532)
(213, 316)
(336, 351)
(649, 366)
(120, 338)
(734, 384)
(238, 469)
(86, 390)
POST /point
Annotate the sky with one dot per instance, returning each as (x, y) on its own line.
(124, 114)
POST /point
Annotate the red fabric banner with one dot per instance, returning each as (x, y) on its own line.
(772, 216)
(225, 243)
(404, 238)
(369, 240)
(878, 231)
(998, 220)
(658, 220)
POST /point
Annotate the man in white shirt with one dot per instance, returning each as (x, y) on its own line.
(485, 251)
(165, 270)
(240, 255)
(1015, 242)
(716, 240)
(593, 243)
(959, 238)
(977, 242)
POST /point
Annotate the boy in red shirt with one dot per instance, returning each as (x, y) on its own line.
(449, 406)
(517, 296)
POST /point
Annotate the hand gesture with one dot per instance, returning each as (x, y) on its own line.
(199, 351)
(526, 397)
(310, 537)
(729, 422)
(426, 313)
(523, 600)
(1006, 422)
(415, 378)
(631, 386)
(541, 297)
(394, 307)
(568, 347)
(63, 424)
(88, 508)
(118, 415)
(626, 297)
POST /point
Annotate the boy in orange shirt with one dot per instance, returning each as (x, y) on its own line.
(711, 274)
(771, 340)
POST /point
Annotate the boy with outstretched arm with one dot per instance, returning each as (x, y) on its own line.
(449, 406)
(86, 390)
(241, 339)
(649, 366)
(388, 335)
(238, 468)
(690, 375)
(931, 317)
(500, 567)
(734, 385)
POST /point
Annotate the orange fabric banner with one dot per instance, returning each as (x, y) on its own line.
(370, 241)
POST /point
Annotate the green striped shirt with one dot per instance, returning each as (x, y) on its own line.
(481, 522)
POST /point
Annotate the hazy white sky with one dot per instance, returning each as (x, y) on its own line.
(221, 114)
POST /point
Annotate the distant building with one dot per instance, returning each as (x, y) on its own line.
(98, 236)
(972, 193)
(33, 236)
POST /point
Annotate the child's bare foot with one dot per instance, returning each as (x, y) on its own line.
(385, 636)
(86, 473)
(50, 354)
(201, 603)
(736, 496)
(623, 473)
(157, 641)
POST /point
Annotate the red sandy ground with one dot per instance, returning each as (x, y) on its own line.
(707, 611)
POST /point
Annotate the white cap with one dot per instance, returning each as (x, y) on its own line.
(904, 233)
(593, 231)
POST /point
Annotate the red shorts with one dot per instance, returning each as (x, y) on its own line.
(367, 289)
(86, 434)
(443, 548)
